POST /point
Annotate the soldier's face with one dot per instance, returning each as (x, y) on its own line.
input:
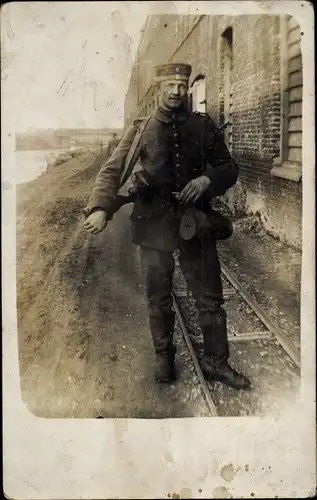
(173, 93)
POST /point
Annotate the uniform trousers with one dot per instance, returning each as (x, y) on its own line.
(199, 262)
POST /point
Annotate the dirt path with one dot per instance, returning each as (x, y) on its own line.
(85, 345)
(118, 376)
(84, 340)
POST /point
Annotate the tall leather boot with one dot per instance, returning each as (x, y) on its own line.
(215, 365)
(162, 329)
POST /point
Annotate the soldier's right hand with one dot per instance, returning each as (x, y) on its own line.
(96, 222)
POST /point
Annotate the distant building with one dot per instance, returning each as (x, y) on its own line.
(246, 70)
(64, 138)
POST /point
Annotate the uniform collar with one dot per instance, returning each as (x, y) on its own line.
(167, 116)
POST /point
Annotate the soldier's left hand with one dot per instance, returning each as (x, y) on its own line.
(194, 189)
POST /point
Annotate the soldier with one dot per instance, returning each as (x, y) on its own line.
(186, 164)
(113, 143)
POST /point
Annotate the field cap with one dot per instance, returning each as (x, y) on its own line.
(175, 71)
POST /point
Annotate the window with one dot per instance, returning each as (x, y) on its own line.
(288, 165)
(227, 42)
(293, 94)
(197, 94)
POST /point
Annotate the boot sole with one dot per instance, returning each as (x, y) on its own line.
(166, 380)
(223, 380)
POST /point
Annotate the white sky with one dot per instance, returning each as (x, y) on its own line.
(69, 64)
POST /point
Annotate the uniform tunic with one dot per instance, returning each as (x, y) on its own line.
(175, 148)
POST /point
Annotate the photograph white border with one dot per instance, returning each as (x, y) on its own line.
(184, 458)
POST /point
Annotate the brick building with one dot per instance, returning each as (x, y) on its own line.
(246, 70)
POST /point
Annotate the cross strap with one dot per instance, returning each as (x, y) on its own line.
(134, 152)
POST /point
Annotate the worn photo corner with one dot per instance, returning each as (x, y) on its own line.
(159, 217)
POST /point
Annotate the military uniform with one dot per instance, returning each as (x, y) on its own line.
(175, 148)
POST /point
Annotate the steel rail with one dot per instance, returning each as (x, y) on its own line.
(270, 324)
(205, 389)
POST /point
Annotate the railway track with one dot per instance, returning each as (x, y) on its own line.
(258, 347)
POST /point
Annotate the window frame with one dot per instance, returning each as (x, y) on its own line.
(282, 167)
(225, 97)
(199, 78)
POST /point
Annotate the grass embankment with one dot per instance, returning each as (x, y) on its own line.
(52, 255)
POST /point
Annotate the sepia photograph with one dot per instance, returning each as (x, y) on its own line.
(158, 174)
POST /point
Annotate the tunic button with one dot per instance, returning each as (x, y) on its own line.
(177, 165)
(177, 155)
(176, 145)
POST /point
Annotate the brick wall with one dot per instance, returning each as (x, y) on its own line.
(255, 108)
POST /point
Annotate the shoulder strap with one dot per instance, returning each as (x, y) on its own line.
(133, 153)
(199, 113)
